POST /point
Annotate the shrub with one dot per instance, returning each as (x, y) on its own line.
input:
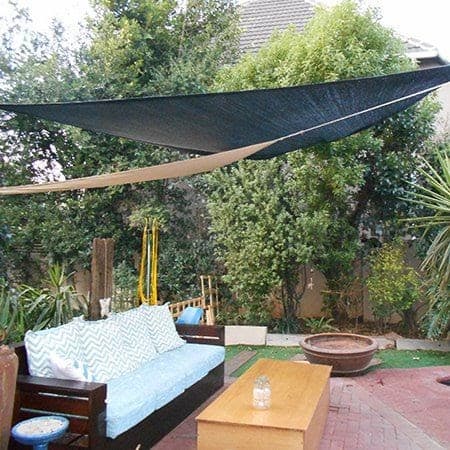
(394, 287)
(320, 324)
(56, 302)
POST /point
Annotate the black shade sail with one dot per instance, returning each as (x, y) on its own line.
(210, 123)
(226, 127)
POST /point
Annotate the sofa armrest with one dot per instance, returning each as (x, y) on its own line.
(57, 386)
(202, 334)
(82, 403)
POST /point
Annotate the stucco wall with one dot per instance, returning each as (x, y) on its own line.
(443, 122)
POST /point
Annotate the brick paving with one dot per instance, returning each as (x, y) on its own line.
(387, 409)
(416, 395)
(358, 419)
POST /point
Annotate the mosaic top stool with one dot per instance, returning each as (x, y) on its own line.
(39, 431)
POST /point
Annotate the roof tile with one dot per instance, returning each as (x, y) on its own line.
(260, 18)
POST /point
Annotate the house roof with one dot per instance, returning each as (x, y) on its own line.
(260, 18)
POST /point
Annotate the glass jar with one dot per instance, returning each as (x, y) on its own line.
(261, 393)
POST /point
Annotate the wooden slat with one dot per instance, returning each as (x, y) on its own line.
(68, 405)
(81, 442)
(97, 419)
(202, 339)
(200, 330)
(177, 308)
(71, 441)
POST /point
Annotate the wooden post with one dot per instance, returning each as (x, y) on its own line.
(101, 274)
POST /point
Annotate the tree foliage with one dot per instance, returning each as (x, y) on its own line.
(339, 187)
(131, 48)
(262, 237)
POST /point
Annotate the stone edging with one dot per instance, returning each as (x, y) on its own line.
(254, 335)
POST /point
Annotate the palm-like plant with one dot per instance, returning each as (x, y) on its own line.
(14, 321)
(54, 304)
(435, 196)
(8, 313)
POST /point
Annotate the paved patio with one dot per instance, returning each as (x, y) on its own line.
(387, 409)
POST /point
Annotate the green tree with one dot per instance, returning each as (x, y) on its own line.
(132, 48)
(347, 184)
(35, 68)
(264, 239)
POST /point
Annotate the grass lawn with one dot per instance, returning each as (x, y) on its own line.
(403, 359)
(399, 359)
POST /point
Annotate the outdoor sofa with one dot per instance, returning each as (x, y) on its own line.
(147, 373)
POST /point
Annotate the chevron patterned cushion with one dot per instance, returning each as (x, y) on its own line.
(40, 344)
(162, 327)
(136, 335)
(105, 350)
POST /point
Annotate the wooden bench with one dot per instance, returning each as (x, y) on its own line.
(84, 403)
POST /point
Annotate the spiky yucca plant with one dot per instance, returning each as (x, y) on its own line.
(54, 304)
(435, 196)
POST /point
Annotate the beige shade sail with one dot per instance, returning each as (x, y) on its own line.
(169, 170)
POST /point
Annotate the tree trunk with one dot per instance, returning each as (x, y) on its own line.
(293, 280)
(410, 320)
(101, 274)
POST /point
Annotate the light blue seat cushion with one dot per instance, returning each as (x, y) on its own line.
(133, 396)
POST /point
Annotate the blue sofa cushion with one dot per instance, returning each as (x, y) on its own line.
(133, 396)
(63, 340)
(136, 335)
(105, 350)
(161, 327)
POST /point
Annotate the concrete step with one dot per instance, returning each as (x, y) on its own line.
(299, 358)
(423, 344)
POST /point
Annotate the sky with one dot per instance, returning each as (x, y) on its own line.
(424, 20)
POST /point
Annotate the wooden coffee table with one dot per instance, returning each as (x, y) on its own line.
(295, 420)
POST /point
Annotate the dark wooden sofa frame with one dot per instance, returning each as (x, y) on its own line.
(84, 403)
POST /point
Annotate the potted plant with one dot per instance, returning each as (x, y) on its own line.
(8, 364)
